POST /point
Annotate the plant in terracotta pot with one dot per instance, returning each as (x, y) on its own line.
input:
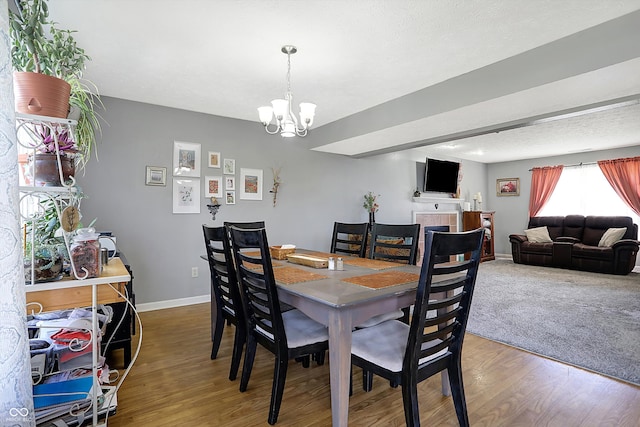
(41, 50)
(50, 146)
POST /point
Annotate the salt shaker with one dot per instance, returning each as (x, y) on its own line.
(332, 263)
(339, 264)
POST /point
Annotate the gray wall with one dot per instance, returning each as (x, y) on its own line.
(317, 189)
(512, 212)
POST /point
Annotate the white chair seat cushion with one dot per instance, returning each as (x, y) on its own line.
(390, 316)
(300, 329)
(385, 344)
(375, 320)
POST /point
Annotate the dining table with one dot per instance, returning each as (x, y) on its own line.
(343, 299)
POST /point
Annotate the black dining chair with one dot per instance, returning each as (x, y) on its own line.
(408, 354)
(288, 335)
(225, 295)
(395, 243)
(249, 225)
(442, 228)
(349, 238)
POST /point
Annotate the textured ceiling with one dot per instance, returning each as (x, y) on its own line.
(385, 74)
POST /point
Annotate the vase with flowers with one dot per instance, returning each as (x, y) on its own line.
(371, 206)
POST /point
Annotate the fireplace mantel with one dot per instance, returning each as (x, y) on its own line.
(441, 203)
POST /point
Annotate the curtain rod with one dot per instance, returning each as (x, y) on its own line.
(576, 165)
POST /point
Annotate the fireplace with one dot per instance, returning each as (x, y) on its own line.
(450, 219)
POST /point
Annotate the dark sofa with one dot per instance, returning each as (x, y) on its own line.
(575, 241)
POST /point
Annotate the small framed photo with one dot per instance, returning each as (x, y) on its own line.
(250, 184)
(156, 175)
(186, 195)
(186, 159)
(212, 186)
(229, 167)
(230, 197)
(508, 186)
(214, 159)
(229, 182)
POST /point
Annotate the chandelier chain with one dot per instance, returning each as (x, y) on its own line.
(288, 72)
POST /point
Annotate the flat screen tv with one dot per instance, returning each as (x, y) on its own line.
(441, 176)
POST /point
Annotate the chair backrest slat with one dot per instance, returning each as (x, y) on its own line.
(223, 275)
(449, 298)
(349, 238)
(395, 242)
(256, 280)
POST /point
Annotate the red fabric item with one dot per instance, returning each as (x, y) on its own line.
(64, 336)
(543, 182)
(624, 177)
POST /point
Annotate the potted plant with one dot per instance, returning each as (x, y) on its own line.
(41, 51)
(44, 247)
(371, 206)
(47, 235)
(52, 144)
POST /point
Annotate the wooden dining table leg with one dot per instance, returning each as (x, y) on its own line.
(340, 365)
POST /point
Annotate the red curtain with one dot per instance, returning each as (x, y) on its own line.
(624, 177)
(543, 182)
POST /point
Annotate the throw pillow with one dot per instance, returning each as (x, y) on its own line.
(538, 235)
(611, 236)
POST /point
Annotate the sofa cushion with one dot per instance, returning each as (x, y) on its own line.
(574, 226)
(554, 224)
(538, 235)
(611, 236)
(595, 226)
(580, 250)
(537, 248)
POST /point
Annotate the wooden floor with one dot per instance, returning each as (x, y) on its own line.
(175, 383)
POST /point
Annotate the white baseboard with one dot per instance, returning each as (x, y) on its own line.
(180, 302)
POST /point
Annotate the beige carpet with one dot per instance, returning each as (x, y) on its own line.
(585, 319)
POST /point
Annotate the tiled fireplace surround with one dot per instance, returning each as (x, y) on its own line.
(430, 211)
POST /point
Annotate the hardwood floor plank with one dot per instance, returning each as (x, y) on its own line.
(174, 382)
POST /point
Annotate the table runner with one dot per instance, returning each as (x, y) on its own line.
(384, 279)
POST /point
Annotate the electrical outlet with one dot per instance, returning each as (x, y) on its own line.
(194, 271)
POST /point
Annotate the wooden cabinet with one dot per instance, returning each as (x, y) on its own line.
(472, 220)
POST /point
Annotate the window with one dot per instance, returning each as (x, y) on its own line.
(584, 190)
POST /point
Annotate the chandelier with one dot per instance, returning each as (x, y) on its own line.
(285, 121)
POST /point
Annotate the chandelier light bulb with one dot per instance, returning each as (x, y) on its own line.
(266, 114)
(280, 107)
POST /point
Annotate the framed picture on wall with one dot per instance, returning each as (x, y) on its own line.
(156, 175)
(250, 184)
(508, 186)
(230, 197)
(186, 159)
(229, 167)
(186, 195)
(212, 186)
(214, 159)
(229, 182)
